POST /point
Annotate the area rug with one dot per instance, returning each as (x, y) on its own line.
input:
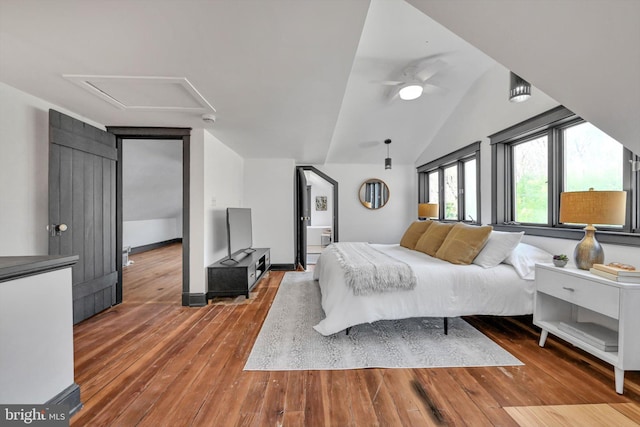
(287, 340)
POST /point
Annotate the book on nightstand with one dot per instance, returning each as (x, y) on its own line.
(613, 276)
(616, 270)
(598, 336)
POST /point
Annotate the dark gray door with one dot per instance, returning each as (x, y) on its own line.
(303, 218)
(82, 209)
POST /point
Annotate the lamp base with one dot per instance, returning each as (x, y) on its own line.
(588, 251)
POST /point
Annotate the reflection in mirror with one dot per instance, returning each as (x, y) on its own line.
(374, 194)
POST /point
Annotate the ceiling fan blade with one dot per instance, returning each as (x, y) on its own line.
(430, 69)
(428, 88)
(389, 82)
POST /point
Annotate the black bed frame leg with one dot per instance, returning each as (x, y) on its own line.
(347, 330)
(446, 326)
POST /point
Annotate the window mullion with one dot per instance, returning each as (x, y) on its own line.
(627, 185)
(441, 192)
(635, 198)
(556, 175)
(461, 205)
(510, 188)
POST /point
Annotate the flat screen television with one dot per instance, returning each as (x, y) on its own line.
(239, 237)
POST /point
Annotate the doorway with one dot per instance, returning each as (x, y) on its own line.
(316, 214)
(152, 218)
(160, 135)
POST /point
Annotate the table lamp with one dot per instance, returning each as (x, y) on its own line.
(592, 207)
(427, 210)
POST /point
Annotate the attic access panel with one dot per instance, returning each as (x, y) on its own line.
(145, 93)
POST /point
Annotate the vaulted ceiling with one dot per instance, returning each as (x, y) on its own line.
(303, 79)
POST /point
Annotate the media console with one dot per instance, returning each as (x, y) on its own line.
(227, 278)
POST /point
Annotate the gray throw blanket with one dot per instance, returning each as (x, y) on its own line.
(369, 271)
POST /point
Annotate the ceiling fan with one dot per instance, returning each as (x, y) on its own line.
(413, 79)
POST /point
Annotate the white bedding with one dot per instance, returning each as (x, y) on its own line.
(443, 290)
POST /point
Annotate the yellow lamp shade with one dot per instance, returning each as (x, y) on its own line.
(593, 207)
(427, 210)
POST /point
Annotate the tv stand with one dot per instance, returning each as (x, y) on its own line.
(238, 278)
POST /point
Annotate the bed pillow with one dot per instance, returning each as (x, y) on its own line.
(432, 239)
(463, 243)
(413, 233)
(498, 247)
(524, 258)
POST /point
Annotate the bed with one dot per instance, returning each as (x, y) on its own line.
(442, 289)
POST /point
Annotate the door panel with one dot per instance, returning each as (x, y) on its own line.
(82, 179)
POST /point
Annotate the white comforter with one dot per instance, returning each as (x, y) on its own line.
(443, 290)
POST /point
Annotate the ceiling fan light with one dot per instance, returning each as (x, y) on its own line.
(410, 92)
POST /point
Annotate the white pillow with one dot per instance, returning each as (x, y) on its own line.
(524, 258)
(498, 247)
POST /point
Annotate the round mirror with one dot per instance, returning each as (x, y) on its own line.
(374, 193)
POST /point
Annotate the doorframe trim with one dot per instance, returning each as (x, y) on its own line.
(296, 214)
(127, 132)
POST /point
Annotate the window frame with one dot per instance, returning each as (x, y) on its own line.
(553, 123)
(458, 158)
(510, 185)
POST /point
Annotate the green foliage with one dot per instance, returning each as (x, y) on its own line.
(451, 210)
(531, 200)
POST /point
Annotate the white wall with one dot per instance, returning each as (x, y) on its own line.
(148, 231)
(269, 192)
(223, 180)
(24, 166)
(386, 225)
(36, 329)
(484, 111)
(151, 191)
(320, 187)
(216, 183)
(625, 254)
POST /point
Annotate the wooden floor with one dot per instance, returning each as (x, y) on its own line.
(151, 362)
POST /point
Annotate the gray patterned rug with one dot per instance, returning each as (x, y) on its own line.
(287, 340)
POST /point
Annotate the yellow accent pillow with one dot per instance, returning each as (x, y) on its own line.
(430, 241)
(413, 233)
(463, 243)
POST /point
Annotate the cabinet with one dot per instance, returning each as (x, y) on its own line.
(567, 296)
(225, 278)
(36, 332)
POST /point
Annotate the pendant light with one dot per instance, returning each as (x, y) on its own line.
(387, 161)
(519, 89)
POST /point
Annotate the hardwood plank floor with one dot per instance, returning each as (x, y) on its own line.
(151, 362)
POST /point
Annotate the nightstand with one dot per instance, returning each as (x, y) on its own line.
(573, 304)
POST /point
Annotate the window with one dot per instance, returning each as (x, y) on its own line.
(591, 158)
(471, 189)
(530, 179)
(535, 161)
(451, 192)
(452, 182)
(434, 187)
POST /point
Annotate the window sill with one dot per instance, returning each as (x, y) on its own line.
(614, 238)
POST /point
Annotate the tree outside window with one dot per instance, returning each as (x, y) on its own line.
(451, 192)
(530, 176)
